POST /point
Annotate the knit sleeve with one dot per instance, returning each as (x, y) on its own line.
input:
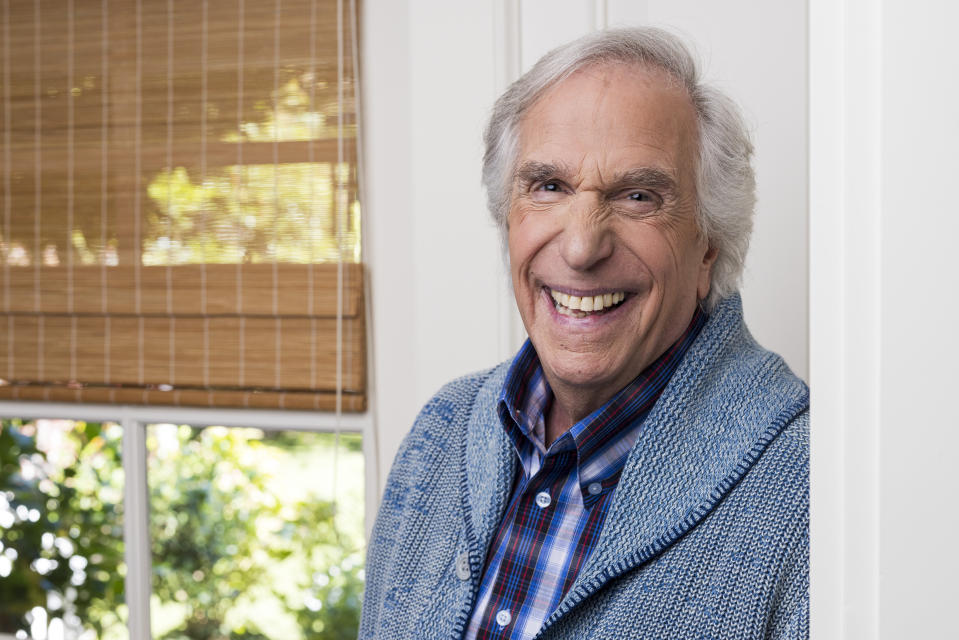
(413, 460)
(416, 496)
(791, 621)
(790, 617)
(797, 624)
(383, 540)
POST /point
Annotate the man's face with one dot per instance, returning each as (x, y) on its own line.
(603, 208)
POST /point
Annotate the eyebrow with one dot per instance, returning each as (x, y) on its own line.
(533, 171)
(646, 177)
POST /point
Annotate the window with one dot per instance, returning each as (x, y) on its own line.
(182, 320)
(245, 525)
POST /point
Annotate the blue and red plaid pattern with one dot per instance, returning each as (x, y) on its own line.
(560, 501)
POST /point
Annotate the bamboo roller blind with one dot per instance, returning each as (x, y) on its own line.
(180, 220)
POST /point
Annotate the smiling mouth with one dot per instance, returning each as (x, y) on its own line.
(583, 306)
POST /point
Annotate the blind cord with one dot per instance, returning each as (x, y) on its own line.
(7, 203)
(104, 178)
(38, 188)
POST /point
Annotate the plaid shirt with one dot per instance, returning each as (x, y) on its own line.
(559, 503)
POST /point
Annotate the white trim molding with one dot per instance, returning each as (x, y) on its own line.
(266, 419)
(136, 529)
(845, 218)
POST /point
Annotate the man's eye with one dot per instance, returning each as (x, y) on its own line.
(640, 202)
(547, 191)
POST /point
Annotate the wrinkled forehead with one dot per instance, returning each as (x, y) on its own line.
(622, 113)
(612, 71)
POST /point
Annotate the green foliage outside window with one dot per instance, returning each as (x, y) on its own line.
(61, 528)
(235, 555)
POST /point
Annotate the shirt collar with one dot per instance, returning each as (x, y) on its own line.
(604, 438)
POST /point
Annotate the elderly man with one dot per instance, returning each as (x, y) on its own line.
(640, 469)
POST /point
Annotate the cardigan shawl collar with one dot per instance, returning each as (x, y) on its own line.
(704, 433)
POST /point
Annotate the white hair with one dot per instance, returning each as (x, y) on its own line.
(725, 183)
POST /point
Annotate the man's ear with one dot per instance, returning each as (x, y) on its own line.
(706, 273)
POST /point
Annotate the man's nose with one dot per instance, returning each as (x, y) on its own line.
(587, 238)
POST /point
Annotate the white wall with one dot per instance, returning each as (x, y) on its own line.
(432, 70)
(918, 343)
(884, 83)
(435, 273)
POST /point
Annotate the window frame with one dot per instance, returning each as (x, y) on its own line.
(134, 420)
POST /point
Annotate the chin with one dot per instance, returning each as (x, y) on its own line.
(582, 370)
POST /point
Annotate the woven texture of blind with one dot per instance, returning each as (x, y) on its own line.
(179, 203)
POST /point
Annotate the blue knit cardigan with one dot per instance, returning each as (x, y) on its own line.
(707, 537)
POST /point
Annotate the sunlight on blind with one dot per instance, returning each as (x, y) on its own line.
(181, 221)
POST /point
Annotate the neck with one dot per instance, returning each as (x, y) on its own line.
(569, 407)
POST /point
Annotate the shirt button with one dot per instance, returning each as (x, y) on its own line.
(503, 618)
(463, 566)
(594, 488)
(543, 500)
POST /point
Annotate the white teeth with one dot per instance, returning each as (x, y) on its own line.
(572, 313)
(573, 305)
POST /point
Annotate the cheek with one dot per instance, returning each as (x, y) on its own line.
(520, 255)
(515, 252)
(656, 249)
(528, 238)
(679, 251)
